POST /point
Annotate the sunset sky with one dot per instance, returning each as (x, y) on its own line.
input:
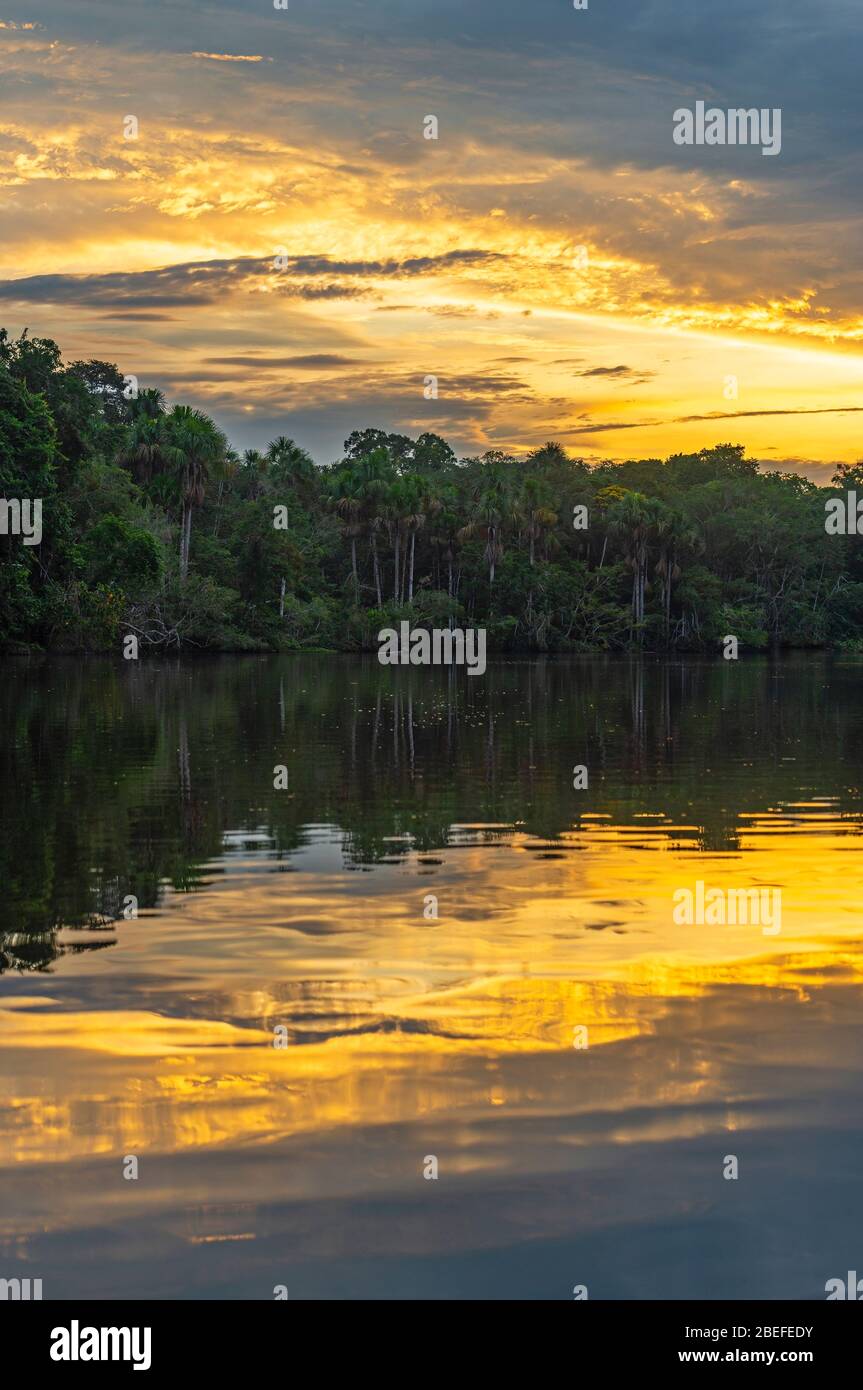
(563, 267)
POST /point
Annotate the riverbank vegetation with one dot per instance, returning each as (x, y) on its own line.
(152, 524)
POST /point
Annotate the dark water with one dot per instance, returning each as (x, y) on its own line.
(304, 915)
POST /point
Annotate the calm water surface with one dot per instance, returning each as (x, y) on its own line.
(407, 1036)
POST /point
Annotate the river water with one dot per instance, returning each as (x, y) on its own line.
(384, 930)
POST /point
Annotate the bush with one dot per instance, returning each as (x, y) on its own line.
(120, 554)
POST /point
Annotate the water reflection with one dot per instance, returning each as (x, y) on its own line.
(407, 1036)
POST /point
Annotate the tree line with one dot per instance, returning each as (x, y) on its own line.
(154, 525)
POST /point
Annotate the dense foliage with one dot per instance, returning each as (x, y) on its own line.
(153, 525)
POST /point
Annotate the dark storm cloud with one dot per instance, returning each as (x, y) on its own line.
(636, 59)
(206, 282)
(553, 122)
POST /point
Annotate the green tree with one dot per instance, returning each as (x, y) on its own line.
(635, 519)
(194, 446)
(491, 508)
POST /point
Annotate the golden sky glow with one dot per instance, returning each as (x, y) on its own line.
(563, 277)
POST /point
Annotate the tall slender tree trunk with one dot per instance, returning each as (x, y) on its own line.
(354, 569)
(411, 579)
(185, 539)
(282, 599)
(377, 569)
(638, 587)
(396, 569)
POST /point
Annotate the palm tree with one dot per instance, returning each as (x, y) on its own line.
(419, 499)
(143, 449)
(636, 518)
(374, 474)
(674, 534)
(491, 508)
(149, 402)
(224, 471)
(394, 509)
(359, 491)
(403, 511)
(254, 466)
(446, 532)
(603, 501)
(195, 444)
(292, 466)
(347, 498)
(535, 512)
